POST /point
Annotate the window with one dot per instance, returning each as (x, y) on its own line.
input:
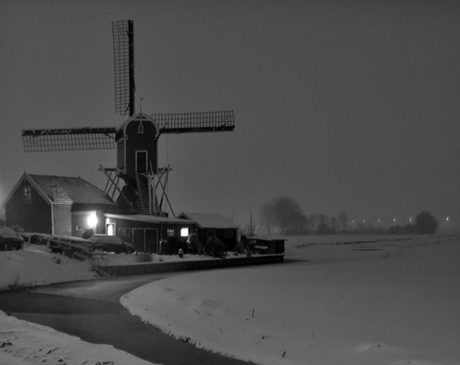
(211, 233)
(124, 232)
(27, 197)
(170, 232)
(140, 129)
(184, 232)
(110, 228)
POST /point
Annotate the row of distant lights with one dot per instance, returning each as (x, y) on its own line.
(394, 220)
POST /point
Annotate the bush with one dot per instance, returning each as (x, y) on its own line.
(194, 246)
(214, 248)
(426, 223)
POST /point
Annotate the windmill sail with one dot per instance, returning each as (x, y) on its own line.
(49, 140)
(123, 58)
(221, 121)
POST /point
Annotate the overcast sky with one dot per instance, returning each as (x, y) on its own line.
(341, 105)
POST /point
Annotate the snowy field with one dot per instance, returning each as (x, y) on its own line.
(390, 300)
(371, 302)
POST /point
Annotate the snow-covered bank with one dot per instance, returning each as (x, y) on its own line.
(24, 343)
(381, 302)
(36, 265)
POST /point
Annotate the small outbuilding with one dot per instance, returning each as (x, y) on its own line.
(146, 232)
(213, 225)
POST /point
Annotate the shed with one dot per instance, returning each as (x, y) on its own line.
(214, 225)
(55, 204)
(146, 232)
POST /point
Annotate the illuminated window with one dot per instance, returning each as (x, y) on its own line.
(184, 232)
(91, 220)
(111, 229)
(170, 232)
(27, 197)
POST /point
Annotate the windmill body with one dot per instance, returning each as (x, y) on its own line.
(138, 182)
(137, 146)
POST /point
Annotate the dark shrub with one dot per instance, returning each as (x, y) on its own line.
(426, 223)
(214, 247)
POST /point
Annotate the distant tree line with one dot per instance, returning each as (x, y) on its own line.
(285, 216)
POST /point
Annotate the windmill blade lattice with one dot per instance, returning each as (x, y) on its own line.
(123, 58)
(49, 140)
(221, 121)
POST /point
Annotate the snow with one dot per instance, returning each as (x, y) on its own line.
(35, 265)
(377, 300)
(373, 302)
(25, 343)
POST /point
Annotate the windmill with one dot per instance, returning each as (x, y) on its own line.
(140, 183)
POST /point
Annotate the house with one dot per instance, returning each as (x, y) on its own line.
(213, 225)
(56, 205)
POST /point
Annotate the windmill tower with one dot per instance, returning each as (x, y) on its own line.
(137, 180)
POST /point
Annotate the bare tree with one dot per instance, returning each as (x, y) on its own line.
(343, 219)
(288, 215)
(285, 213)
(312, 222)
(333, 224)
(267, 216)
(323, 223)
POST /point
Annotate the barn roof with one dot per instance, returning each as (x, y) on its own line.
(70, 190)
(209, 220)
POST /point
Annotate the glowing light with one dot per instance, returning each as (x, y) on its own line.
(92, 220)
(184, 232)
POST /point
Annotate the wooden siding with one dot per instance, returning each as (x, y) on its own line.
(33, 216)
(62, 219)
(126, 229)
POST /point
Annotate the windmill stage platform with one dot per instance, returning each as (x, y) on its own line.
(187, 265)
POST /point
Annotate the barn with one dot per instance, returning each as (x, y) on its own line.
(213, 225)
(55, 205)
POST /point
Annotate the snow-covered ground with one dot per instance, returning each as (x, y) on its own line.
(36, 265)
(24, 343)
(373, 301)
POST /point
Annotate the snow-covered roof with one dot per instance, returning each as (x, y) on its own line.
(147, 218)
(70, 190)
(209, 220)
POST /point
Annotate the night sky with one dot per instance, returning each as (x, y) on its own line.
(341, 105)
